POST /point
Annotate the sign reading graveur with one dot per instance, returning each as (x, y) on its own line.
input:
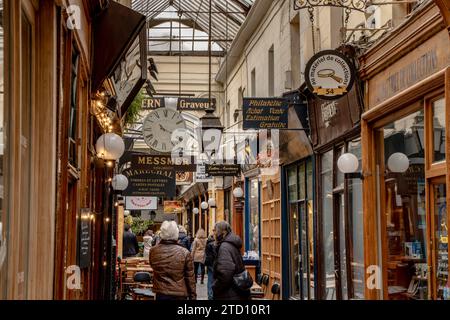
(196, 104)
(153, 103)
(265, 113)
(155, 183)
(329, 75)
(215, 170)
(165, 162)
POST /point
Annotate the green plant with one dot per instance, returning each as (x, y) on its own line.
(133, 111)
(139, 226)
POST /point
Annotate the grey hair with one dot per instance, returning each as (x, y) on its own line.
(181, 229)
(222, 227)
(169, 230)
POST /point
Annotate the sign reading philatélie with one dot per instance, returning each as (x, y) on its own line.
(223, 170)
(329, 75)
(153, 103)
(265, 113)
(196, 104)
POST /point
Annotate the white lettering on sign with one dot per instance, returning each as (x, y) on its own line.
(328, 110)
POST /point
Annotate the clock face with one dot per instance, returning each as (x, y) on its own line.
(159, 127)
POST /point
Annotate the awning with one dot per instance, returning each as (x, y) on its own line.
(120, 53)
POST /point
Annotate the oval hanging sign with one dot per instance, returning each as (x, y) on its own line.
(329, 75)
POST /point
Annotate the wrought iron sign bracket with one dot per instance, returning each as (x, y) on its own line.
(359, 5)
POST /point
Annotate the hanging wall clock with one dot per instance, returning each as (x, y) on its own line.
(159, 127)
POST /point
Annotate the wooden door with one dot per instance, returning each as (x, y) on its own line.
(271, 231)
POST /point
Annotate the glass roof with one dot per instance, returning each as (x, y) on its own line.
(185, 23)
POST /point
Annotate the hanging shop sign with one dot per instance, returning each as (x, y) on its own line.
(145, 182)
(196, 104)
(330, 120)
(223, 170)
(201, 175)
(171, 207)
(329, 75)
(165, 162)
(265, 113)
(141, 203)
(84, 240)
(153, 103)
(184, 178)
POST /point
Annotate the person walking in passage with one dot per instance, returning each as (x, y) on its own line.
(130, 243)
(210, 257)
(228, 264)
(198, 254)
(183, 238)
(173, 269)
(148, 240)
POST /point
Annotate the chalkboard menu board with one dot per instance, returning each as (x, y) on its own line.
(84, 239)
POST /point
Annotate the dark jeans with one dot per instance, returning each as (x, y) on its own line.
(210, 282)
(202, 268)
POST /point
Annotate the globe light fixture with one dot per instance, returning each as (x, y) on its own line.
(119, 182)
(126, 213)
(238, 192)
(398, 162)
(110, 146)
(212, 202)
(204, 205)
(348, 163)
(195, 210)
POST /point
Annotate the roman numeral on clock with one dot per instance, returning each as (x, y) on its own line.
(166, 113)
(155, 144)
(149, 137)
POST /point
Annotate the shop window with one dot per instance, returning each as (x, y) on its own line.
(440, 239)
(438, 109)
(404, 208)
(254, 225)
(301, 230)
(356, 227)
(3, 145)
(341, 227)
(73, 133)
(327, 235)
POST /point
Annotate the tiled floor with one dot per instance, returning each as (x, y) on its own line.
(202, 290)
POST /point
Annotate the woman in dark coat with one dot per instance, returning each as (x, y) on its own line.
(227, 264)
(210, 257)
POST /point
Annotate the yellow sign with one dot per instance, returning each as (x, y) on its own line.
(330, 91)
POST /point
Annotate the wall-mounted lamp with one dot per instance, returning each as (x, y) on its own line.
(238, 192)
(195, 210)
(110, 146)
(348, 164)
(398, 162)
(212, 202)
(204, 205)
(119, 182)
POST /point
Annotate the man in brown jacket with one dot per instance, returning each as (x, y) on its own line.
(173, 269)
